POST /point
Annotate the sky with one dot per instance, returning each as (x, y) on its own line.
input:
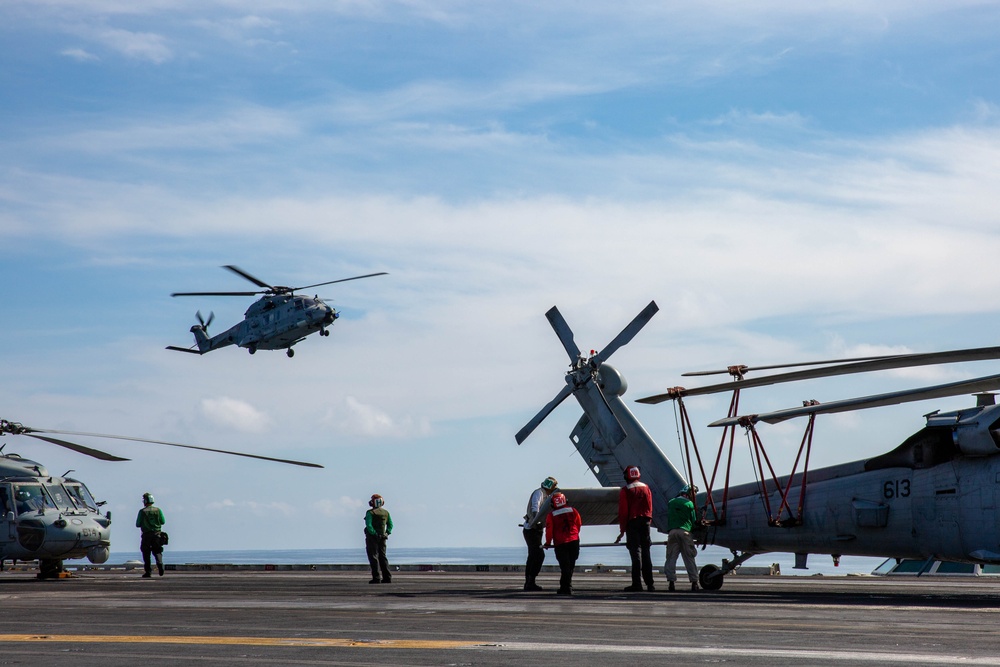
(787, 181)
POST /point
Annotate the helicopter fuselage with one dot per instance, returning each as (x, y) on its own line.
(934, 496)
(273, 322)
(48, 518)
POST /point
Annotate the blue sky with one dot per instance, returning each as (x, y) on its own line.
(787, 182)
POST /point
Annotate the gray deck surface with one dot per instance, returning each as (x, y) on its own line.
(114, 618)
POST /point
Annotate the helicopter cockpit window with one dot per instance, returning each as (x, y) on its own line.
(81, 497)
(5, 505)
(299, 303)
(58, 495)
(31, 498)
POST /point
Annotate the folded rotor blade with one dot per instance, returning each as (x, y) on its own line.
(342, 280)
(564, 333)
(240, 272)
(96, 453)
(177, 444)
(987, 383)
(628, 333)
(877, 364)
(523, 434)
(747, 369)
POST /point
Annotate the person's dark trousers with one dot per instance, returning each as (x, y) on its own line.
(567, 554)
(375, 546)
(638, 542)
(536, 555)
(150, 545)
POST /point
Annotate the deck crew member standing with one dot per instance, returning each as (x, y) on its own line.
(635, 512)
(150, 522)
(533, 534)
(378, 527)
(562, 528)
(681, 519)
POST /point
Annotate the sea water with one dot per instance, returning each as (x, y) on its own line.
(605, 555)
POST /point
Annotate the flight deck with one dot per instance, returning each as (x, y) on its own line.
(327, 617)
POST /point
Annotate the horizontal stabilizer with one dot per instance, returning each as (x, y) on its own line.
(184, 349)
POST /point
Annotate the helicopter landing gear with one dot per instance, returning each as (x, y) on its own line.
(324, 332)
(710, 578)
(51, 569)
(252, 349)
(290, 352)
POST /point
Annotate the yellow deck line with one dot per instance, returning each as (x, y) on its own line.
(244, 641)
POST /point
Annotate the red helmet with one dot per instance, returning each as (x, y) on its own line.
(632, 473)
(558, 500)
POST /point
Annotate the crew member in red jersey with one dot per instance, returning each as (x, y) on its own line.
(635, 513)
(562, 527)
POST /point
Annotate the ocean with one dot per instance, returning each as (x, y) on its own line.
(605, 555)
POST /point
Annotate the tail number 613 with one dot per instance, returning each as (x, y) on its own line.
(896, 488)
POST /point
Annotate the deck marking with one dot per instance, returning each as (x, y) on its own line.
(244, 641)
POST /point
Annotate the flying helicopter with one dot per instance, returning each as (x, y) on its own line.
(52, 518)
(276, 321)
(933, 497)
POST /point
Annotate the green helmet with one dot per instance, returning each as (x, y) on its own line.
(549, 483)
(147, 499)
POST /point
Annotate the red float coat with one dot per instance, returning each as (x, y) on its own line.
(562, 526)
(635, 501)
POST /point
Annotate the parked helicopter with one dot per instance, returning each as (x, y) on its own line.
(933, 497)
(276, 321)
(49, 518)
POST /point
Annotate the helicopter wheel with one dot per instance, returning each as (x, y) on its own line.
(710, 578)
(49, 569)
(290, 353)
(252, 350)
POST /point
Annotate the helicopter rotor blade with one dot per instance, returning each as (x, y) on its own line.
(747, 369)
(523, 434)
(216, 293)
(342, 280)
(243, 274)
(981, 384)
(629, 332)
(177, 444)
(96, 453)
(878, 364)
(564, 333)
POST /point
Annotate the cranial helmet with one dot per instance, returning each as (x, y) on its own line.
(558, 500)
(376, 501)
(632, 473)
(549, 483)
(147, 499)
(688, 489)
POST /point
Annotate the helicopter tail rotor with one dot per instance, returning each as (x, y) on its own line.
(204, 323)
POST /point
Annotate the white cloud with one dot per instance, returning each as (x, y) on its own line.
(234, 413)
(343, 506)
(361, 419)
(80, 55)
(136, 45)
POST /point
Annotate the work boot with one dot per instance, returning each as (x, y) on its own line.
(564, 591)
(634, 588)
(694, 586)
(671, 587)
(159, 568)
(146, 575)
(650, 588)
(533, 588)
(387, 580)
(375, 581)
